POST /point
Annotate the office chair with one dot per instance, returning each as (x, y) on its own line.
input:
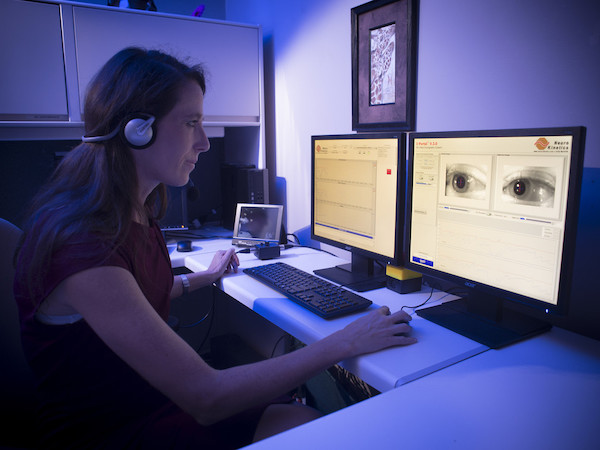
(17, 392)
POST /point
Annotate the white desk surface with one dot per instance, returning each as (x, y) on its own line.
(542, 393)
(437, 347)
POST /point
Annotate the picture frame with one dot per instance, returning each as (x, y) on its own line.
(384, 65)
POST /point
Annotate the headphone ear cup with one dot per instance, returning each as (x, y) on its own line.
(139, 131)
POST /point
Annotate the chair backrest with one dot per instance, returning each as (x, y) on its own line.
(16, 379)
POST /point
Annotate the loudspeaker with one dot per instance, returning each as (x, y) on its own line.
(242, 183)
(137, 130)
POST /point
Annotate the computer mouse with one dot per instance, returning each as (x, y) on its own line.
(184, 246)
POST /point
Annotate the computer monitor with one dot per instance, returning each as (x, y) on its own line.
(357, 203)
(495, 212)
(257, 224)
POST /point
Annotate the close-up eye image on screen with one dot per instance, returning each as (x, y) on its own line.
(466, 180)
(529, 186)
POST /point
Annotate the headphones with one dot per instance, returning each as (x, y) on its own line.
(137, 130)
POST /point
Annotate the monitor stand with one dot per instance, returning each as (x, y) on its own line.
(362, 274)
(483, 318)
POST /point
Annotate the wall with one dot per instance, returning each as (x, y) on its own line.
(481, 65)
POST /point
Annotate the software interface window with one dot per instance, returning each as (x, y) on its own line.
(355, 192)
(490, 209)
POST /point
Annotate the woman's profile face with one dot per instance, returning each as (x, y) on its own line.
(180, 138)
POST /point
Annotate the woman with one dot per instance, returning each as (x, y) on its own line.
(94, 281)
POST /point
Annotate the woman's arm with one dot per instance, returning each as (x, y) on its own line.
(224, 261)
(111, 302)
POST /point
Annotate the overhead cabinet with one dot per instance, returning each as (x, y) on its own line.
(32, 79)
(52, 49)
(230, 53)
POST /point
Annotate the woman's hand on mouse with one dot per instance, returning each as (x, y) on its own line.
(375, 331)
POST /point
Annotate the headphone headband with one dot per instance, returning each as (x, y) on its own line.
(106, 137)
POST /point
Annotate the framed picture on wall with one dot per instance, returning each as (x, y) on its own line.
(384, 53)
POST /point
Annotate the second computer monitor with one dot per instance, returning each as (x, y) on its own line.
(357, 203)
(495, 212)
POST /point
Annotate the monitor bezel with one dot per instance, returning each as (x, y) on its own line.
(398, 257)
(571, 216)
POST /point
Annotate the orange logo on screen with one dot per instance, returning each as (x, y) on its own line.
(542, 143)
(318, 148)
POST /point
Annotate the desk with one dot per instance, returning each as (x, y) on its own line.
(384, 370)
(540, 393)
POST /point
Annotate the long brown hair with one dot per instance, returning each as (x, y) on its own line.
(94, 188)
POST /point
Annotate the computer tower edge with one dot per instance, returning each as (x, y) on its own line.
(241, 183)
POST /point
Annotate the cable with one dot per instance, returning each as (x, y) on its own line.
(198, 322)
(210, 324)
(192, 325)
(283, 336)
(295, 237)
(318, 249)
(429, 298)
(418, 306)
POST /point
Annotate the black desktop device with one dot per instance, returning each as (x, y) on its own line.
(495, 213)
(241, 183)
(357, 203)
(176, 215)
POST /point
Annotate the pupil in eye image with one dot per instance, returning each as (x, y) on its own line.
(519, 187)
(460, 182)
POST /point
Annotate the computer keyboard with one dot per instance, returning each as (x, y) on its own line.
(319, 296)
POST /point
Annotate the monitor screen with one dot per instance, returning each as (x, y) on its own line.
(256, 224)
(357, 203)
(496, 213)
